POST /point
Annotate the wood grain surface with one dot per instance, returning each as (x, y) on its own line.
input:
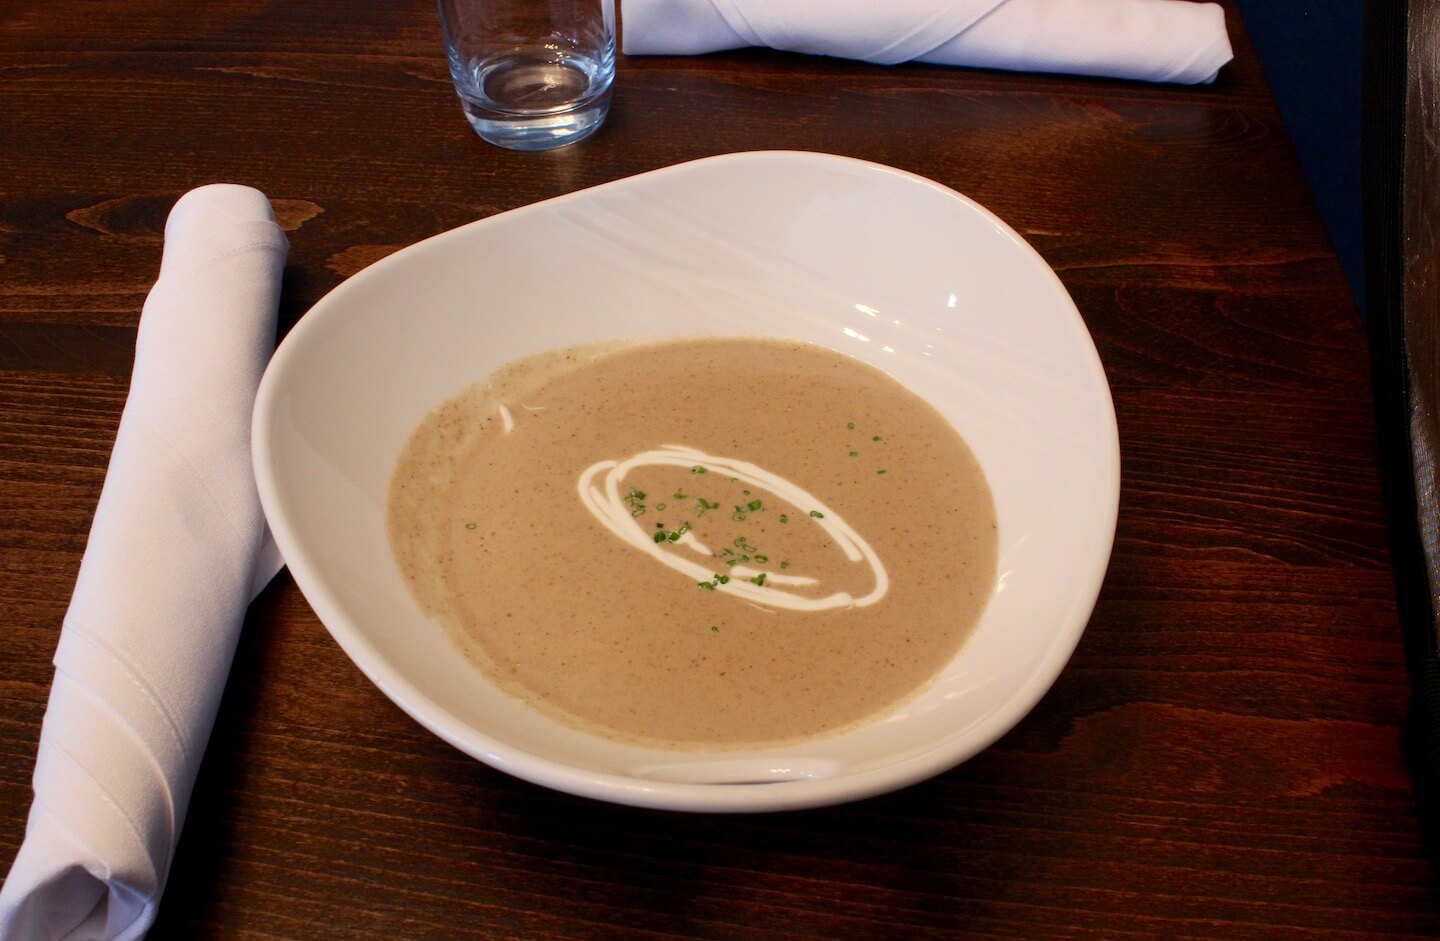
(1219, 760)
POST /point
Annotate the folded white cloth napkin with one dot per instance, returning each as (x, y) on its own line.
(177, 550)
(1155, 40)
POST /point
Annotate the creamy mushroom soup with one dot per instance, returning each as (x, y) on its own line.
(711, 543)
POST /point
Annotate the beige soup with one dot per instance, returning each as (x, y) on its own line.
(709, 543)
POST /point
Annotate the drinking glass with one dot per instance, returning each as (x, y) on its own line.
(531, 74)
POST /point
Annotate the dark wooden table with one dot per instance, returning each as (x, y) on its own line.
(1221, 757)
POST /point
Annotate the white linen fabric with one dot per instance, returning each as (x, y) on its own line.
(177, 550)
(1153, 40)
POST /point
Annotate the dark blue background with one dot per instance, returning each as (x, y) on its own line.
(1311, 55)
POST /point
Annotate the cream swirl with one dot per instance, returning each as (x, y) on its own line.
(600, 491)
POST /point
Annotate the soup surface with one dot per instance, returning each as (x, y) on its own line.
(708, 543)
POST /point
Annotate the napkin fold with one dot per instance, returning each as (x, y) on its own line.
(1153, 40)
(177, 550)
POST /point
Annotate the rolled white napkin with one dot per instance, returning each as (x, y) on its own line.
(1154, 40)
(177, 550)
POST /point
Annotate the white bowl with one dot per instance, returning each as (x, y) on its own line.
(888, 267)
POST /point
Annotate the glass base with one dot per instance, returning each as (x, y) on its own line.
(537, 132)
(534, 98)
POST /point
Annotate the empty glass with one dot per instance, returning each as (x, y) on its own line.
(531, 74)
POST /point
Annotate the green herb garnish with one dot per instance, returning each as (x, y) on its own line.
(635, 498)
(717, 580)
(817, 514)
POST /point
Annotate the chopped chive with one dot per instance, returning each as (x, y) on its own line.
(722, 579)
(633, 498)
(854, 453)
(880, 471)
(715, 628)
(876, 438)
(762, 559)
(784, 517)
(699, 469)
(817, 514)
(850, 425)
(469, 525)
(708, 586)
(678, 495)
(759, 579)
(784, 565)
(660, 537)
(753, 505)
(659, 506)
